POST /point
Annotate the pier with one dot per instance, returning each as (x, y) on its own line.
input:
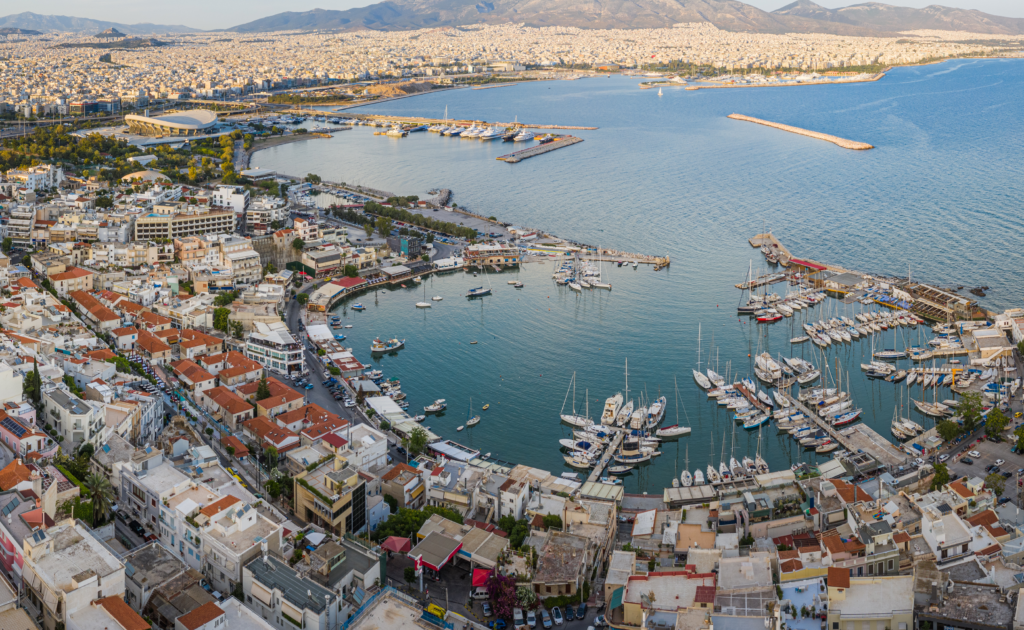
(769, 239)
(839, 142)
(606, 457)
(419, 120)
(540, 149)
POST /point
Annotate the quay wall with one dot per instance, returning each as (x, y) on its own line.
(840, 142)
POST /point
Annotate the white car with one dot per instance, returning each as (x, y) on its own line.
(943, 458)
(1000, 462)
(974, 454)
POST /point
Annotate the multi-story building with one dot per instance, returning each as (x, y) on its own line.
(231, 532)
(288, 600)
(37, 177)
(147, 480)
(66, 569)
(74, 279)
(405, 246)
(304, 229)
(491, 254)
(19, 226)
(78, 421)
(273, 347)
(151, 415)
(234, 197)
(189, 223)
(404, 484)
(238, 255)
(263, 212)
(870, 602)
(332, 496)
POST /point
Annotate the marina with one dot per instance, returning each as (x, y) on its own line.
(840, 142)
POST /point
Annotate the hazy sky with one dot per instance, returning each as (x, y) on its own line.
(227, 13)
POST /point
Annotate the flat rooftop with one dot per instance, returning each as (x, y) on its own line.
(387, 611)
(974, 604)
(152, 565)
(301, 592)
(880, 595)
(75, 551)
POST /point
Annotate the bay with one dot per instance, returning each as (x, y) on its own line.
(939, 196)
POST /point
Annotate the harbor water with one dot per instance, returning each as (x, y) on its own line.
(938, 196)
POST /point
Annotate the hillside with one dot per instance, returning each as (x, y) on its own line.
(68, 24)
(879, 16)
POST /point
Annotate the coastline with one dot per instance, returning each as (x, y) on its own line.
(871, 79)
(270, 143)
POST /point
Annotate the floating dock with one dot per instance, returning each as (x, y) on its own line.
(540, 149)
(839, 142)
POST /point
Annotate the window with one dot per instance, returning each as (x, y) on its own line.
(835, 625)
(890, 565)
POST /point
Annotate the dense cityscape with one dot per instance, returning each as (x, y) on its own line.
(188, 441)
(49, 75)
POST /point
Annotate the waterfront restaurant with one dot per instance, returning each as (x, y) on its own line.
(497, 254)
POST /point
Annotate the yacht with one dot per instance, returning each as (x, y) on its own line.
(437, 406)
(524, 136)
(611, 409)
(386, 346)
(478, 292)
(493, 133)
(472, 132)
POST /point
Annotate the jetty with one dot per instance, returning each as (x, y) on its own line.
(462, 122)
(606, 456)
(839, 142)
(540, 149)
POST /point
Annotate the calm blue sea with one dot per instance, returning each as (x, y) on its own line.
(939, 197)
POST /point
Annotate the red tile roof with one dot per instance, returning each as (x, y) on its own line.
(220, 505)
(227, 400)
(200, 616)
(71, 274)
(123, 613)
(397, 470)
(91, 304)
(124, 332)
(838, 578)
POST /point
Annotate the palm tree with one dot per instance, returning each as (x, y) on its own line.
(102, 494)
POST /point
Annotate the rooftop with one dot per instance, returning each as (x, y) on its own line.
(390, 610)
(878, 595)
(76, 551)
(974, 604)
(301, 592)
(561, 559)
(152, 565)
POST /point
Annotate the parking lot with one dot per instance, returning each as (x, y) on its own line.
(988, 454)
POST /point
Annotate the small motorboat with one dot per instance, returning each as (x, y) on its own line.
(358, 307)
(672, 431)
(437, 298)
(437, 406)
(518, 285)
(485, 407)
(423, 305)
(460, 428)
(620, 470)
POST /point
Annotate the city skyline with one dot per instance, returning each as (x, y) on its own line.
(203, 16)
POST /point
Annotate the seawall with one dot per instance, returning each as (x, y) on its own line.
(840, 142)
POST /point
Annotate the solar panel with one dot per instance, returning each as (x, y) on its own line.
(10, 507)
(13, 427)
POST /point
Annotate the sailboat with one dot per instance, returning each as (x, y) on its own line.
(659, 91)
(713, 476)
(600, 284)
(574, 419)
(424, 303)
(481, 291)
(473, 419)
(686, 478)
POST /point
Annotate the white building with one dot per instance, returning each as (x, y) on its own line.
(234, 197)
(273, 347)
(66, 569)
(37, 177)
(287, 600)
(78, 420)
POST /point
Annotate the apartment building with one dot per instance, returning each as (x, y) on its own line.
(234, 197)
(238, 255)
(78, 421)
(273, 347)
(288, 600)
(37, 177)
(232, 533)
(19, 227)
(189, 223)
(332, 496)
(147, 480)
(74, 279)
(404, 484)
(59, 588)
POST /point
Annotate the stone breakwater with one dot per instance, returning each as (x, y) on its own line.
(841, 142)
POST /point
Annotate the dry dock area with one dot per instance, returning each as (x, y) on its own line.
(839, 142)
(540, 149)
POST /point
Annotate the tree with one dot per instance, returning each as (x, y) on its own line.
(32, 385)
(271, 454)
(941, 476)
(368, 226)
(430, 237)
(220, 318)
(231, 451)
(948, 430)
(209, 430)
(313, 178)
(392, 502)
(384, 226)
(8, 243)
(552, 520)
(302, 298)
(273, 489)
(1020, 439)
(996, 422)
(104, 202)
(237, 329)
(263, 389)
(969, 409)
(86, 450)
(409, 574)
(351, 271)
(416, 442)
(501, 590)
(270, 268)
(102, 494)
(995, 483)
(297, 244)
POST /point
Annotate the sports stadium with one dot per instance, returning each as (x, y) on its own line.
(196, 122)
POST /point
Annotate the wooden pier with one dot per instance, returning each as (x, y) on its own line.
(606, 457)
(769, 239)
(420, 120)
(821, 422)
(839, 142)
(540, 149)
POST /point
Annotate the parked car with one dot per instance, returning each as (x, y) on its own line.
(570, 613)
(121, 516)
(581, 611)
(487, 609)
(1000, 462)
(136, 527)
(545, 619)
(531, 619)
(556, 615)
(967, 460)
(1006, 474)
(974, 454)
(1003, 501)
(943, 458)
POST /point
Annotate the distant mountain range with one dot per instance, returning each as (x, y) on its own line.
(802, 16)
(66, 24)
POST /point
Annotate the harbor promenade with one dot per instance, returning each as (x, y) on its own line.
(839, 142)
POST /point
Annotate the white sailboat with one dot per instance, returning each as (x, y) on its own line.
(686, 478)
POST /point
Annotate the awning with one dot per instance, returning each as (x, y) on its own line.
(804, 263)
(480, 576)
(397, 544)
(616, 599)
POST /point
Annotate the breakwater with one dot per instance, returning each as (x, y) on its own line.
(540, 149)
(462, 122)
(839, 142)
